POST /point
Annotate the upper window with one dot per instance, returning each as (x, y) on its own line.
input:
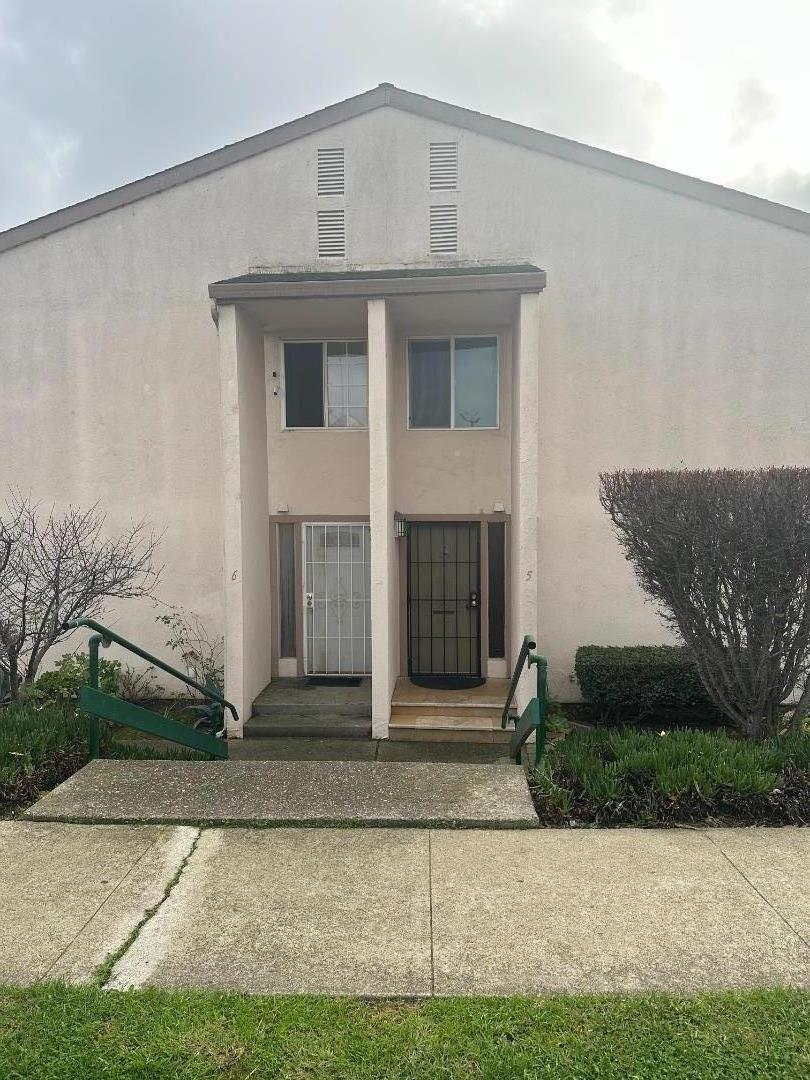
(326, 384)
(453, 382)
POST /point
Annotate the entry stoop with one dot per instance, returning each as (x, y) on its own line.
(429, 715)
(294, 708)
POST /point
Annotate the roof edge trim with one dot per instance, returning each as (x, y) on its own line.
(317, 288)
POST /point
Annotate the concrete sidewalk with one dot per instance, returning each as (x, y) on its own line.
(405, 912)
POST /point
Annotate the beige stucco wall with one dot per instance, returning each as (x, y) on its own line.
(311, 471)
(453, 471)
(672, 332)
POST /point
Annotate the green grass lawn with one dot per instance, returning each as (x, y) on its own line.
(54, 1031)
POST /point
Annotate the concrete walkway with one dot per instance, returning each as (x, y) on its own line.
(377, 793)
(405, 912)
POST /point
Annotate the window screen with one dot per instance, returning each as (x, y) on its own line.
(475, 368)
(429, 384)
(286, 590)
(496, 536)
(453, 382)
(303, 382)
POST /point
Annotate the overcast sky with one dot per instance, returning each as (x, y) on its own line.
(94, 93)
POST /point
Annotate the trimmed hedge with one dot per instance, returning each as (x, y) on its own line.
(632, 777)
(624, 684)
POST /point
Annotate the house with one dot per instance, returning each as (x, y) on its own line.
(366, 367)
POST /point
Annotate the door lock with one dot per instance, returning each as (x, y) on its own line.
(309, 602)
(473, 600)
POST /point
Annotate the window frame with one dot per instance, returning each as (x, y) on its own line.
(452, 339)
(323, 342)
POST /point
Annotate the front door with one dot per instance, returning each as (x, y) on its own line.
(337, 599)
(444, 606)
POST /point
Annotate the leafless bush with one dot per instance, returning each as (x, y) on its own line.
(202, 653)
(135, 685)
(726, 555)
(60, 566)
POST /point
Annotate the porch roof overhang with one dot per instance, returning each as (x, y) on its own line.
(367, 284)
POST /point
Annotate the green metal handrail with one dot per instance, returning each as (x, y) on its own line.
(528, 644)
(140, 717)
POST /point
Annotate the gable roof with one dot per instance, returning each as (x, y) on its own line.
(386, 94)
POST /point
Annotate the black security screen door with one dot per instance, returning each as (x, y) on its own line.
(444, 598)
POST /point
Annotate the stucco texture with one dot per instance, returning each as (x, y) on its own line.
(672, 332)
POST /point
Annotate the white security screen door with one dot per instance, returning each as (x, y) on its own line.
(337, 599)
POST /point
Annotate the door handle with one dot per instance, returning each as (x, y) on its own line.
(309, 602)
(473, 602)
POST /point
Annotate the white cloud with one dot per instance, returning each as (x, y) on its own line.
(93, 93)
(714, 62)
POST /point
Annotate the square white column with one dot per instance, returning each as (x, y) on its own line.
(245, 508)
(525, 484)
(384, 567)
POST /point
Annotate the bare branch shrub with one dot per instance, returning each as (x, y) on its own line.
(62, 566)
(726, 555)
(202, 653)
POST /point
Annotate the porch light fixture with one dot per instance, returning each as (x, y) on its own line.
(400, 526)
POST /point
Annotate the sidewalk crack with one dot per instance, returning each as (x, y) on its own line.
(102, 905)
(104, 971)
(762, 897)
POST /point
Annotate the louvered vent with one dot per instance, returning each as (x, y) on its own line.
(443, 230)
(331, 173)
(443, 166)
(331, 234)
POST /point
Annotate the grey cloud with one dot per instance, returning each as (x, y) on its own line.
(789, 186)
(94, 93)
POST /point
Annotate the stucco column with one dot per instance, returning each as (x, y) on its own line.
(246, 522)
(384, 572)
(525, 482)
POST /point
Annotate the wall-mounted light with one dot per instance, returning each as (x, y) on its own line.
(400, 526)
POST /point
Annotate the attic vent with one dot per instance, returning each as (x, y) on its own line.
(443, 230)
(331, 171)
(331, 234)
(443, 166)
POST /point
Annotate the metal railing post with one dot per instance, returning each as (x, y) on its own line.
(93, 725)
(528, 644)
(541, 664)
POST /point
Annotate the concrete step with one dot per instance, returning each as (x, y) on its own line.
(352, 710)
(488, 736)
(470, 715)
(324, 726)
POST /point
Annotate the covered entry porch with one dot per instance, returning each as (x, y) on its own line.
(315, 516)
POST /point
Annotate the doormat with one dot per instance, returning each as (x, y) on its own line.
(333, 680)
(447, 682)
